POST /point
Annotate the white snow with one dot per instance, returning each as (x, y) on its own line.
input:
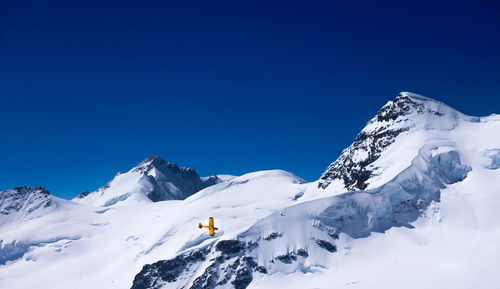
(80, 246)
(104, 239)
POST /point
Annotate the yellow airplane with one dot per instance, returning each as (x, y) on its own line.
(210, 226)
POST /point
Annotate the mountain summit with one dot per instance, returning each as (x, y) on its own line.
(152, 180)
(407, 113)
(23, 203)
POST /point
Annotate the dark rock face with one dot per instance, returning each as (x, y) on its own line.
(243, 277)
(24, 199)
(287, 258)
(229, 247)
(229, 264)
(167, 271)
(303, 253)
(292, 256)
(83, 195)
(402, 105)
(273, 236)
(327, 246)
(353, 167)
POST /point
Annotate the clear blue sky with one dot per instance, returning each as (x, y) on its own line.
(90, 88)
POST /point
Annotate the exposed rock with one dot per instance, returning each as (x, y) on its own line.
(229, 265)
(167, 271)
(303, 253)
(327, 246)
(83, 195)
(287, 258)
(353, 165)
(25, 200)
(273, 236)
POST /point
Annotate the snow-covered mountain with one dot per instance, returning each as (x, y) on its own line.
(412, 203)
(24, 203)
(397, 171)
(152, 180)
(359, 167)
(60, 250)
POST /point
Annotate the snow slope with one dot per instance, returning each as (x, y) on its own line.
(80, 246)
(413, 203)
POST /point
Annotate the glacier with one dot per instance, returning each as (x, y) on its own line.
(412, 203)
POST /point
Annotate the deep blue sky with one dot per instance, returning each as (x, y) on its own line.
(88, 88)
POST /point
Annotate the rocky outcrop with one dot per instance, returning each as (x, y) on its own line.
(353, 165)
(25, 200)
(230, 264)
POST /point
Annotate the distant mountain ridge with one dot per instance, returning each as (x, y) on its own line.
(23, 202)
(154, 180)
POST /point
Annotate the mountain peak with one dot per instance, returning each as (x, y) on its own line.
(160, 164)
(153, 158)
(148, 163)
(407, 112)
(403, 104)
(153, 179)
(414, 96)
(23, 201)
